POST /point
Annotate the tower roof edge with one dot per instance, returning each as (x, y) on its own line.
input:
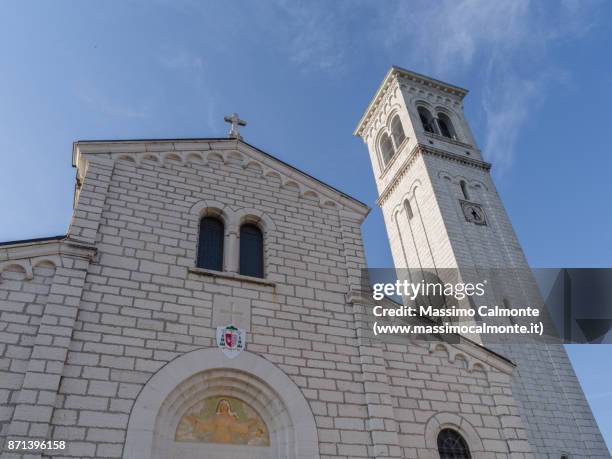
(394, 72)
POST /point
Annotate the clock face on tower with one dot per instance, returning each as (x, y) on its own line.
(473, 213)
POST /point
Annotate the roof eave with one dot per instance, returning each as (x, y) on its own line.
(418, 77)
(364, 118)
(349, 201)
(33, 241)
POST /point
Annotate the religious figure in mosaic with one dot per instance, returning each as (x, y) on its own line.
(223, 420)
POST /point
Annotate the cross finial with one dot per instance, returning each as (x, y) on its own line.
(235, 121)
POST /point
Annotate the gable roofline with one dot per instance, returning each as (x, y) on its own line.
(418, 78)
(36, 240)
(159, 145)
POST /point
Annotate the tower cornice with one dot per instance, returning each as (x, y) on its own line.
(394, 74)
(416, 152)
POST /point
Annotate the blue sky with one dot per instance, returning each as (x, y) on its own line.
(539, 74)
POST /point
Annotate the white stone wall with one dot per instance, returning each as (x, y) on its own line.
(551, 402)
(23, 302)
(443, 382)
(41, 288)
(143, 307)
(126, 302)
(420, 242)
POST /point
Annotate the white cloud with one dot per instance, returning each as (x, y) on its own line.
(101, 102)
(181, 59)
(506, 42)
(191, 67)
(509, 40)
(313, 34)
(447, 35)
(509, 102)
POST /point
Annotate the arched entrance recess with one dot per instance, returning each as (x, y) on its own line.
(206, 374)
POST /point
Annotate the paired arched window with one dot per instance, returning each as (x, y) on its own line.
(426, 120)
(477, 315)
(397, 131)
(251, 251)
(210, 244)
(389, 143)
(446, 126)
(386, 148)
(441, 124)
(506, 304)
(451, 445)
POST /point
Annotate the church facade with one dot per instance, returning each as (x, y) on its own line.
(115, 338)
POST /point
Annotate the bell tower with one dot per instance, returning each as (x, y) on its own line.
(442, 211)
(433, 185)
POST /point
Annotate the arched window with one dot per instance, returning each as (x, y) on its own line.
(386, 149)
(451, 445)
(507, 306)
(446, 126)
(251, 251)
(408, 208)
(477, 315)
(397, 131)
(426, 120)
(464, 190)
(210, 244)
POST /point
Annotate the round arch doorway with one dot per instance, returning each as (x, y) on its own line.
(205, 405)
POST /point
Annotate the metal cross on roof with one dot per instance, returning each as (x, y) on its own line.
(235, 121)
